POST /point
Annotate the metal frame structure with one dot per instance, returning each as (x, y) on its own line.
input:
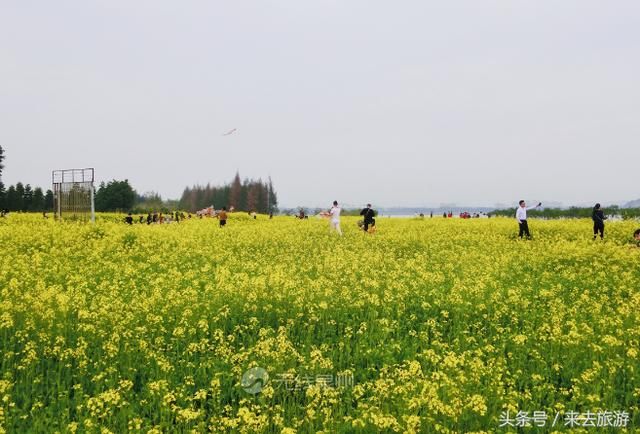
(74, 193)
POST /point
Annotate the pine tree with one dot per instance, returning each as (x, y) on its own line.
(273, 199)
(37, 203)
(48, 201)
(252, 197)
(235, 193)
(13, 199)
(263, 198)
(27, 198)
(248, 195)
(19, 206)
(3, 196)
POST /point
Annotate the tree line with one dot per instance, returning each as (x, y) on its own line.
(23, 197)
(247, 195)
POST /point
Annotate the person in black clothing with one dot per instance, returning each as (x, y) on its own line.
(598, 218)
(129, 219)
(368, 215)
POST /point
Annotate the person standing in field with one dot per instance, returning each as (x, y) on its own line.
(521, 217)
(369, 219)
(598, 218)
(222, 216)
(636, 237)
(334, 213)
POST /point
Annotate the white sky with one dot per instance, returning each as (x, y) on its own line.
(396, 103)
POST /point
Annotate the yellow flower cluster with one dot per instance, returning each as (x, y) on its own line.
(428, 325)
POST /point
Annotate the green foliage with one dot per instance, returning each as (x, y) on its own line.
(150, 202)
(19, 197)
(12, 201)
(48, 201)
(115, 196)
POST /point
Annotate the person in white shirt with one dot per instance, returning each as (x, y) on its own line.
(334, 212)
(521, 216)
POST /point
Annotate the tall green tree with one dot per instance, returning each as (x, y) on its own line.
(3, 196)
(115, 196)
(272, 197)
(13, 199)
(235, 194)
(19, 206)
(48, 201)
(37, 203)
(27, 198)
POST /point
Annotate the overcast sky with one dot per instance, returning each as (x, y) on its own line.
(394, 102)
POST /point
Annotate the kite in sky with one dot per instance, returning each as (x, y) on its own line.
(230, 132)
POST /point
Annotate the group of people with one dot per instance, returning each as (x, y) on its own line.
(157, 218)
(597, 215)
(160, 218)
(368, 222)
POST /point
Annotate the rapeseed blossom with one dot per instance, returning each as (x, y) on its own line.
(437, 325)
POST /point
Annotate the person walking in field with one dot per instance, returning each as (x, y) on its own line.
(334, 214)
(222, 216)
(369, 219)
(598, 218)
(521, 217)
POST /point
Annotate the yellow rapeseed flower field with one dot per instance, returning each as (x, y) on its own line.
(428, 325)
